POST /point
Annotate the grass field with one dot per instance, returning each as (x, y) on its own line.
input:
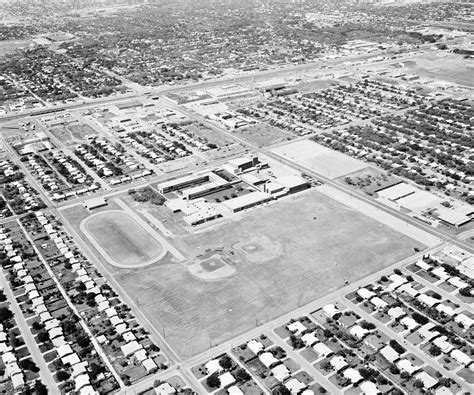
(121, 239)
(284, 255)
(322, 160)
(263, 134)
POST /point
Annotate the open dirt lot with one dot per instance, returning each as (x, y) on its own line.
(120, 239)
(320, 159)
(262, 134)
(284, 255)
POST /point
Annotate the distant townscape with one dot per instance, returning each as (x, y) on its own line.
(236, 197)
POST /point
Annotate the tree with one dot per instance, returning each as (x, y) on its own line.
(465, 291)
(5, 314)
(213, 381)
(43, 336)
(83, 341)
(418, 383)
(62, 375)
(242, 375)
(225, 362)
(435, 350)
(40, 388)
(281, 390)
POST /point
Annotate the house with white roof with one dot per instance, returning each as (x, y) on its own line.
(447, 310)
(149, 365)
(378, 303)
(331, 310)
(295, 386)
(338, 363)
(408, 289)
(165, 389)
(280, 372)
(71, 359)
(443, 345)
(296, 327)
(369, 388)
(389, 354)
(457, 282)
(322, 350)
(396, 312)
(64, 350)
(409, 323)
(464, 320)
(234, 390)
(364, 293)
(255, 346)
(396, 281)
(423, 265)
(406, 366)
(130, 348)
(441, 273)
(81, 381)
(461, 357)
(309, 339)
(353, 375)
(226, 380)
(428, 381)
(358, 332)
(268, 359)
(427, 300)
(213, 366)
(425, 331)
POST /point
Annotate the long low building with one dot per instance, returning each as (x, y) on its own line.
(247, 201)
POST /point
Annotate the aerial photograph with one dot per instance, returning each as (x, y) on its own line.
(237, 197)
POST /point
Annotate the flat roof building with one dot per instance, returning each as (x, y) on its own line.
(247, 201)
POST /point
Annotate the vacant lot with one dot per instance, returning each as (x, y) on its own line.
(284, 255)
(322, 160)
(121, 239)
(263, 134)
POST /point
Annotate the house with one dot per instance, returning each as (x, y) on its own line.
(364, 293)
(310, 338)
(338, 363)
(369, 388)
(268, 359)
(226, 380)
(331, 310)
(71, 359)
(406, 366)
(396, 312)
(425, 331)
(131, 348)
(378, 303)
(149, 365)
(255, 346)
(423, 265)
(322, 350)
(165, 389)
(296, 327)
(389, 354)
(295, 386)
(441, 273)
(428, 381)
(409, 323)
(457, 282)
(358, 332)
(447, 310)
(280, 372)
(213, 366)
(397, 281)
(443, 345)
(81, 381)
(461, 357)
(353, 375)
(408, 289)
(464, 320)
(64, 350)
(234, 390)
(427, 300)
